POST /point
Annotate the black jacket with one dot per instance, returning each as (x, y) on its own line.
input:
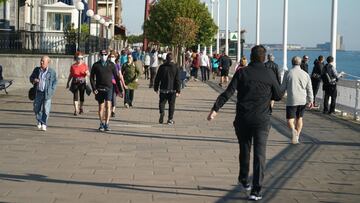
(275, 68)
(168, 77)
(101, 76)
(256, 86)
(304, 66)
(317, 70)
(225, 62)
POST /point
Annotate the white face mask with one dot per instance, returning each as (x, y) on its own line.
(104, 58)
(112, 59)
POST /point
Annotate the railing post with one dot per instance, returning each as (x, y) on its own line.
(357, 98)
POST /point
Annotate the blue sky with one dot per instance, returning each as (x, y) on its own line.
(309, 20)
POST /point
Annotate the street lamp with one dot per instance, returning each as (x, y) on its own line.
(90, 13)
(80, 8)
(106, 24)
(97, 19)
(102, 21)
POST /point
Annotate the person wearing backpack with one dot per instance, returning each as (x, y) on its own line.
(330, 77)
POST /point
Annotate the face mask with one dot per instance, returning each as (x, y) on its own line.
(112, 59)
(104, 58)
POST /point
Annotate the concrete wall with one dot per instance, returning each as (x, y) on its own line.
(19, 67)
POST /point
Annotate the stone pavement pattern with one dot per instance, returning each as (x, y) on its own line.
(143, 161)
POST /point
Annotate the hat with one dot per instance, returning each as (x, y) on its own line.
(103, 52)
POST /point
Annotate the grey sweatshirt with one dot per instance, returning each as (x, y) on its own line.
(298, 86)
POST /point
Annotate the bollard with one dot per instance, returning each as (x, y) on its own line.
(356, 108)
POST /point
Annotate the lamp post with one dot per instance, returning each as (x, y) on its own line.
(102, 21)
(97, 19)
(106, 24)
(80, 8)
(90, 14)
(227, 29)
(218, 31)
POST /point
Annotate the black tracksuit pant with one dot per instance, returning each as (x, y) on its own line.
(315, 85)
(330, 91)
(247, 134)
(167, 97)
(152, 76)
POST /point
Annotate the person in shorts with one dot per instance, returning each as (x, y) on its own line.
(101, 82)
(298, 86)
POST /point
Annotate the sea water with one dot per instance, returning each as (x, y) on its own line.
(347, 61)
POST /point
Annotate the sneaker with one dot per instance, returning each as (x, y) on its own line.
(106, 127)
(81, 111)
(255, 195)
(161, 119)
(126, 105)
(295, 137)
(245, 185)
(101, 128)
(170, 122)
(39, 126)
(43, 127)
(220, 84)
(113, 114)
(75, 113)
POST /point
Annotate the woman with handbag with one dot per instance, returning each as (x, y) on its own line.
(78, 73)
(131, 75)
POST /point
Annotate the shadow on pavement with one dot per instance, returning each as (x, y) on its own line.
(134, 187)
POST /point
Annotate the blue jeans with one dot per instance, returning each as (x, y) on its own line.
(42, 107)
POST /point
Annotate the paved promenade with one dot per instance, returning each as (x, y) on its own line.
(143, 161)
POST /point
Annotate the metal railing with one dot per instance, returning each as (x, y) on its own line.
(31, 42)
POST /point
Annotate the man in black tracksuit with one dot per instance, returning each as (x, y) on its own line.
(168, 79)
(316, 75)
(256, 86)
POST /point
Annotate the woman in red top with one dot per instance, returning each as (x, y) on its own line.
(78, 73)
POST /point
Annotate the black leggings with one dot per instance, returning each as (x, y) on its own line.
(79, 89)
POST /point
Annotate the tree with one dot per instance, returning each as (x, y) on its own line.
(162, 22)
(132, 39)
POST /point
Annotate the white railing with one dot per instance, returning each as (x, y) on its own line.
(348, 97)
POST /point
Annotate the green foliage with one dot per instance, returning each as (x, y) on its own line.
(184, 27)
(70, 33)
(160, 26)
(1, 1)
(132, 39)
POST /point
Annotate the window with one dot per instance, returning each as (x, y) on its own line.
(58, 21)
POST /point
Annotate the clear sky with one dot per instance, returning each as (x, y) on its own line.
(309, 20)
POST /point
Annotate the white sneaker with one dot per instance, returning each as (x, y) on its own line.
(39, 126)
(295, 137)
(43, 127)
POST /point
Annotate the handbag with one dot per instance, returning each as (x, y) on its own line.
(88, 90)
(32, 93)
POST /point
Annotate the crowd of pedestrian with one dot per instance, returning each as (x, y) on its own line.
(258, 84)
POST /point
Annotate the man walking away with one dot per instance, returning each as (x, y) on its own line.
(168, 79)
(275, 68)
(256, 86)
(101, 82)
(225, 64)
(297, 83)
(44, 78)
(154, 63)
(204, 66)
(304, 64)
(316, 76)
(330, 77)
